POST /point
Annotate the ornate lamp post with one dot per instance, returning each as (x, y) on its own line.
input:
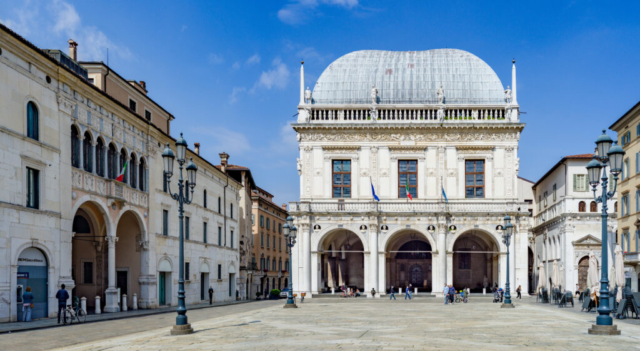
(290, 240)
(182, 196)
(506, 239)
(605, 153)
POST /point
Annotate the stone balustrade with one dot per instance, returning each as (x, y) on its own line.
(110, 188)
(408, 207)
(632, 257)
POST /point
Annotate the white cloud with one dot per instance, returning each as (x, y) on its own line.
(235, 94)
(310, 54)
(184, 27)
(23, 20)
(215, 59)
(222, 139)
(286, 142)
(255, 59)
(236, 65)
(277, 76)
(299, 11)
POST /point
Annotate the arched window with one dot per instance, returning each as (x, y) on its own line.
(75, 147)
(133, 171)
(204, 198)
(112, 162)
(231, 211)
(32, 120)
(87, 152)
(582, 206)
(593, 207)
(100, 157)
(219, 205)
(141, 175)
(123, 160)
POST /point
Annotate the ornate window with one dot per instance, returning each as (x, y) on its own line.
(341, 177)
(141, 175)
(133, 171)
(593, 206)
(474, 179)
(75, 147)
(100, 157)
(582, 206)
(32, 121)
(112, 162)
(407, 179)
(123, 160)
(87, 153)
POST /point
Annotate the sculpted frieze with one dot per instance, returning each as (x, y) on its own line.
(407, 136)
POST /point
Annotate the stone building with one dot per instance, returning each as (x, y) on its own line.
(270, 253)
(628, 235)
(567, 223)
(418, 123)
(68, 129)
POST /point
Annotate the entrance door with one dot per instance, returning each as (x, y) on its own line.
(416, 275)
(583, 268)
(162, 294)
(202, 286)
(32, 272)
(232, 284)
(122, 280)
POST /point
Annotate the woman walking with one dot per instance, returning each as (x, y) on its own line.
(27, 299)
(519, 291)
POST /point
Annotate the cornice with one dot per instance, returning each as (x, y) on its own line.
(301, 127)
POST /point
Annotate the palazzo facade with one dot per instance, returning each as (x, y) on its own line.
(428, 124)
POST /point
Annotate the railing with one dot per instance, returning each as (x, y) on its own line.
(108, 187)
(417, 114)
(632, 257)
(408, 207)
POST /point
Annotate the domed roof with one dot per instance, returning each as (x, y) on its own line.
(409, 77)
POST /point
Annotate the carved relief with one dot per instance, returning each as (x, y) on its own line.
(409, 136)
(384, 172)
(101, 187)
(76, 179)
(364, 172)
(317, 171)
(64, 105)
(89, 182)
(307, 156)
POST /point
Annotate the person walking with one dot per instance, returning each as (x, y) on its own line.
(210, 295)
(519, 291)
(27, 300)
(452, 293)
(445, 293)
(407, 292)
(393, 293)
(62, 295)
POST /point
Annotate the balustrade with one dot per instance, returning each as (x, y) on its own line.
(89, 182)
(387, 113)
(411, 207)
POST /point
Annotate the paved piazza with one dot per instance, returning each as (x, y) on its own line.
(362, 324)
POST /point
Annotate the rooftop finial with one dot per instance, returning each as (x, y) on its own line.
(514, 60)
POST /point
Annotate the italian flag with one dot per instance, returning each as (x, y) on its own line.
(124, 169)
(406, 187)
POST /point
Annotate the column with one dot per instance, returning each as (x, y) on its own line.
(307, 257)
(80, 151)
(373, 256)
(382, 272)
(94, 150)
(315, 269)
(441, 273)
(111, 293)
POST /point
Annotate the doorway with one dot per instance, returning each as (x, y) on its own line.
(162, 294)
(232, 284)
(204, 283)
(32, 272)
(122, 282)
(416, 275)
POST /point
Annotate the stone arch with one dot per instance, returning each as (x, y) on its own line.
(318, 239)
(101, 206)
(475, 259)
(138, 216)
(92, 135)
(167, 259)
(497, 238)
(386, 239)
(38, 245)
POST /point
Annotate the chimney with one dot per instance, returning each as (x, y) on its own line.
(197, 148)
(284, 207)
(73, 50)
(143, 84)
(224, 157)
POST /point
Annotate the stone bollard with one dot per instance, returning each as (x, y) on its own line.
(83, 304)
(484, 291)
(135, 302)
(415, 290)
(333, 291)
(98, 310)
(124, 303)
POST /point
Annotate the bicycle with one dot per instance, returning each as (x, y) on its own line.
(76, 312)
(460, 299)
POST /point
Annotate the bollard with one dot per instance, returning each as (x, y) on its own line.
(98, 310)
(333, 291)
(484, 291)
(83, 304)
(135, 302)
(124, 303)
(415, 290)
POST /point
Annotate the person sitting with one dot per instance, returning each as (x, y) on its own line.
(357, 292)
(352, 293)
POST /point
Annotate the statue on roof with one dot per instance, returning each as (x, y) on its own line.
(374, 95)
(307, 96)
(440, 95)
(507, 95)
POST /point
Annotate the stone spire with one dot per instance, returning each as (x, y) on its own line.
(513, 84)
(302, 83)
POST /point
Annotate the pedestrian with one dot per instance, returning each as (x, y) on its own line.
(501, 294)
(407, 292)
(445, 293)
(62, 295)
(210, 295)
(452, 293)
(373, 292)
(519, 291)
(393, 293)
(357, 293)
(27, 300)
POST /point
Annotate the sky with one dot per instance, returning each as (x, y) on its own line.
(229, 70)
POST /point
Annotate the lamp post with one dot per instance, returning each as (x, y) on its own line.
(290, 240)
(182, 196)
(605, 153)
(506, 239)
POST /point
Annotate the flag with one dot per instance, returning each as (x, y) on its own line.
(124, 169)
(373, 191)
(406, 187)
(445, 195)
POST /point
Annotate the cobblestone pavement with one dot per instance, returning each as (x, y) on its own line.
(364, 324)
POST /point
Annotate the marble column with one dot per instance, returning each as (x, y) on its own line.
(111, 292)
(306, 244)
(94, 149)
(373, 257)
(80, 151)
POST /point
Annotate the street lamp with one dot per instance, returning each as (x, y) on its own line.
(290, 240)
(182, 196)
(506, 239)
(605, 153)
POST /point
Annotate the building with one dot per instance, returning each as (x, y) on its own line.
(567, 223)
(270, 251)
(68, 129)
(403, 123)
(628, 235)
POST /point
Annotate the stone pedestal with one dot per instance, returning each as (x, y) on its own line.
(182, 329)
(124, 302)
(292, 305)
(112, 300)
(98, 305)
(135, 302)
(604, 330)
(507, 305)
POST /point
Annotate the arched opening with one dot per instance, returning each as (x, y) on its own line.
(32, 121)
(112, 161)
(100, 157)
(593, 207)
(89, 254)
(142, 176)
(342, 261)
(33, 271)
(129, 256)
(123, 161)
(583, 269)
(582, 206)
(87, 152)
(409, 261)
(75, 147)
(133, 171)
(164, 282)
(475, 261)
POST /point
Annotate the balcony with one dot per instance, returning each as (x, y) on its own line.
(356, 207)
(632, 258)
(109, 188)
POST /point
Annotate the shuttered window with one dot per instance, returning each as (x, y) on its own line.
(580, 182)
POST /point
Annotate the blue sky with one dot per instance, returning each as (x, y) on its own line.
(229, 70)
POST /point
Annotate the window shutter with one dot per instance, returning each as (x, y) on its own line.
(575, 182)
(638, 161)
(586, 185)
